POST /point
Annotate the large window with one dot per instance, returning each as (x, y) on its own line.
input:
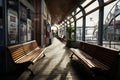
(111, 35)
(91, 26)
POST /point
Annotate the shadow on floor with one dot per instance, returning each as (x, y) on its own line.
(80, 70)
(10, 76)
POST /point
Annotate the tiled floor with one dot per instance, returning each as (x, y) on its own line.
(55, 66)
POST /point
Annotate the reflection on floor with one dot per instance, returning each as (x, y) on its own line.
(55, 66)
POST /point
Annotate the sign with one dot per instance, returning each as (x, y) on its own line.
(12, 26)
(23, 32)
(29, 29)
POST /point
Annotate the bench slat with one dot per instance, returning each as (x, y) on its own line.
(16, 51)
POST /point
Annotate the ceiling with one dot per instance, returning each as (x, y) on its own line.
(59, 9)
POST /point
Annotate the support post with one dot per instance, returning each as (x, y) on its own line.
(42, 32)
(100, 24)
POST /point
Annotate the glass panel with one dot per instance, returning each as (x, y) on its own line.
(92, 6)
(68, 17)
(72, 13)
(91, 27)
(78, 15)
(71, 19)
(23, 24)
(106, 0)
(65, 24)
(68, 22)
(86, 2)
(109, 9)
(79, 24)
(77, 10)
(92, 19)
(111, 35)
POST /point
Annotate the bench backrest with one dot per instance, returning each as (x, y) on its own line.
(27, 47)
(16, 51)
(88, 48)
(105, 55)
(34, 44)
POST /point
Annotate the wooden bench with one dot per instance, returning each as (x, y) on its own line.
(98, 60)
(16, 59)
(62, 39)
(28, 51)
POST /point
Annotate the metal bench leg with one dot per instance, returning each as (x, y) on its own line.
(43, 55)
(71, 56)
(31, 72)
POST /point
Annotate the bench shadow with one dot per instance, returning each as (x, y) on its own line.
(80, 71)
(84, 74)
(11, 76)
(56, 71)
(38, 73)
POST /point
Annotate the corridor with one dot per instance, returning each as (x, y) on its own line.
(55, 66)
(29, 26)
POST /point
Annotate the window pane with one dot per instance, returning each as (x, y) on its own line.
(78, 15)
(78, 9)
(79, 23)
(111, 31)
(92, 19)
(86, 2)
(105, 1)
(68, 22)
(71, 19)
(108, 0)
(73, 13)
(79, 30)
(108, 8)
(91, 27)
(92, 6)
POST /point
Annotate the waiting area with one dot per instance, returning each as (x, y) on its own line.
(59, 39)
(56, 65)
